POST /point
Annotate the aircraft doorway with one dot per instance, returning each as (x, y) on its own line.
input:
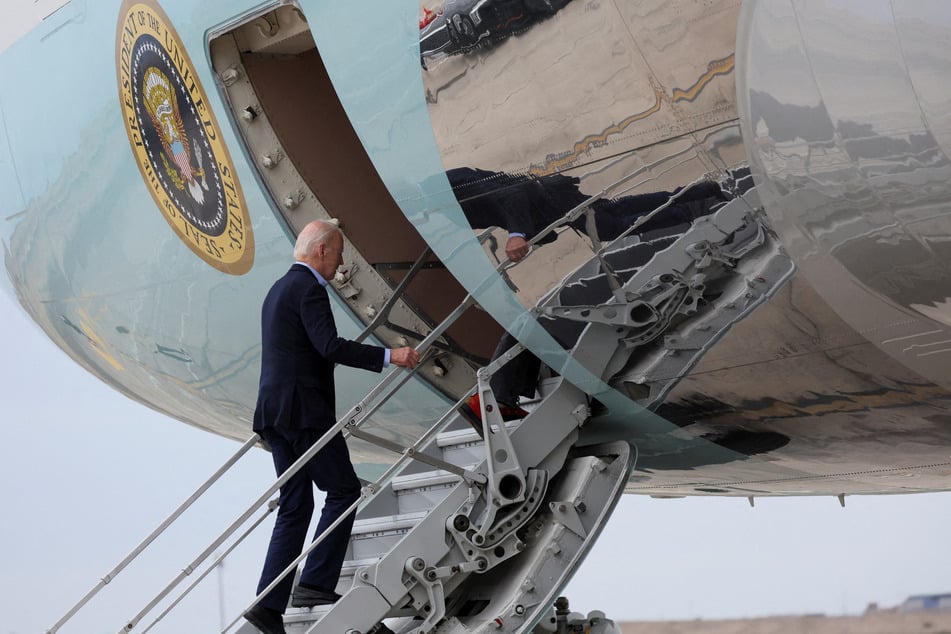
(314, 166)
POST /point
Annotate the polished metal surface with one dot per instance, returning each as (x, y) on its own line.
(276, 82)
(846, 119)
(566, 94)
(840, 381)
(593, 90)
(836, 383)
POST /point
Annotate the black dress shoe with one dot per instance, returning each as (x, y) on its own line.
(309, 597)
(265, 619)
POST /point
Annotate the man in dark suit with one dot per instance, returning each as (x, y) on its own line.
(524, 205)
(295, 408)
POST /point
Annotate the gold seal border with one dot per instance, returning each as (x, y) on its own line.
(233, 251)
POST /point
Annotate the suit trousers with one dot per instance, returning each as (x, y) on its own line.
(332, 472)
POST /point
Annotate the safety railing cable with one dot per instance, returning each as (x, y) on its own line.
(384, 312)
(412, 452)
(354, 416)
(118, 568)
(271, 506)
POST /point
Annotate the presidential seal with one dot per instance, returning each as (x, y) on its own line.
(176, 140)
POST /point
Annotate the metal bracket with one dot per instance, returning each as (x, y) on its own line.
(267, 25)
(427, 579)
(497, 526)
(343, 282)
(272, 158)
(566, 514)
(444, 572)
(506, 479)
(293, 199)
(230, 75)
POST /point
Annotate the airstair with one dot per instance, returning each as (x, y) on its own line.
(441, 551)
(478, 531)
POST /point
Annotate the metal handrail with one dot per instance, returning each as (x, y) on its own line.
(274, 488)
(352, 418)
(118, 568)
(359, 413)
(598, 248)
(411, 452)
(400, 289)
(397, 293)
(271, 506)
(648, 216)
(352, 425)
(408, 453)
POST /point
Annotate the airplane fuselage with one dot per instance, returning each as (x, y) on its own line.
(158, 157)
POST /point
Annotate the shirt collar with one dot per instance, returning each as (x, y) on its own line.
(320, 278)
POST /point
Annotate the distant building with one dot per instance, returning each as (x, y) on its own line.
(927, 603)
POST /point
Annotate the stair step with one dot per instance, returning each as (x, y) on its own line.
(466, 436)
(372, 526)
(424, 479)
(352, 566)
(304, 615)
(374, 536)
(420, 492)
(465, 446)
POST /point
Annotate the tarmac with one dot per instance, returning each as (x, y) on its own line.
(876, 623)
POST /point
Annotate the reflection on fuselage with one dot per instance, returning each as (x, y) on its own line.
(528, 205)
(590, 95)
(459, 26)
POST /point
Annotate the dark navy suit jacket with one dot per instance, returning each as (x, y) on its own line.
(516, 203)
(299, 349)
(526, 205)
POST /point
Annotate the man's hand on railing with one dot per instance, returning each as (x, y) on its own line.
(404, 357)
(516, 248)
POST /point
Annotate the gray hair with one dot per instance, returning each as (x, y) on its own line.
(312, 236)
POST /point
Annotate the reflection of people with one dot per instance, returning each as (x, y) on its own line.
(295, 408)
(524, 206)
